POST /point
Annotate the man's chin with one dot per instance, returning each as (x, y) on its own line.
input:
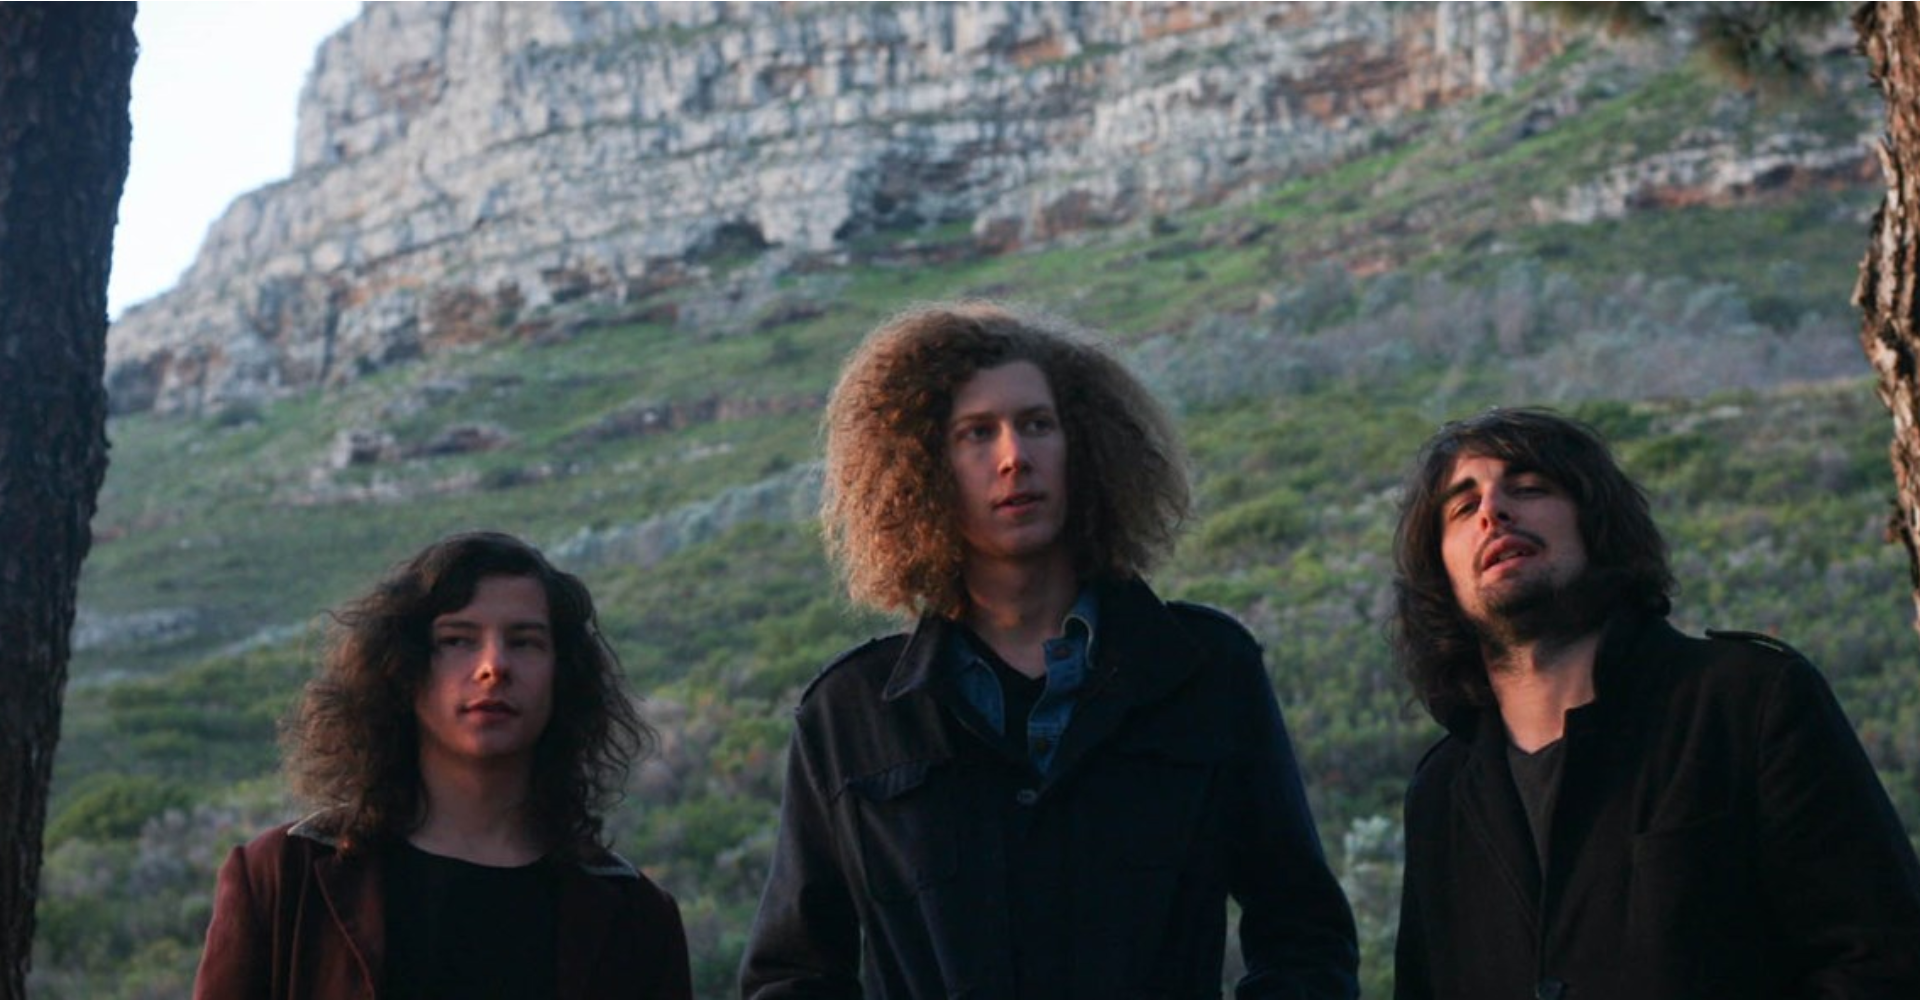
(1534, 610)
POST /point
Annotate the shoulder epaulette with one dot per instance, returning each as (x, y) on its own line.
(850, 654)
(609, 865)
(1217, 615)
(1431, 750)
(317, 827)
(1757, 638)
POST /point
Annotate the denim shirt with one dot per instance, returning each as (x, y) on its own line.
(1069, 659)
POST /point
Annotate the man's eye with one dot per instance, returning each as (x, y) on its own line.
(453, 641)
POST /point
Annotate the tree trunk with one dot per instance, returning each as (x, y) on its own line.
(65, 71)
(1890, 272)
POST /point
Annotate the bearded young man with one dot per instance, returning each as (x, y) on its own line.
(1618, 810)
(1050, 787)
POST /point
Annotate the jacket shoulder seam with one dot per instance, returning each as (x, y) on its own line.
(1761, 639)
(1216, 616)
(609, 865)
(850, 655)
(313, 827)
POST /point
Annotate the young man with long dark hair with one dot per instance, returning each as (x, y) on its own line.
(467, 729)
(1618, 810)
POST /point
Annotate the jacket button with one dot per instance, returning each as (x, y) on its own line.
(1026, 796)
(1550, 989)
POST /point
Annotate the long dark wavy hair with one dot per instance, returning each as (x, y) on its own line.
(1438, 649)
(889, 509)
(351, 746)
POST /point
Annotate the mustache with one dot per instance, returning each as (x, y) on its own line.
(1480, 557)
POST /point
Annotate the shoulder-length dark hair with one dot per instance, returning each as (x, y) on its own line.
(889, 507)
(1438, 649)
(352, 745)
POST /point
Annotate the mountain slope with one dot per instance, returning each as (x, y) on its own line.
(1614, 234)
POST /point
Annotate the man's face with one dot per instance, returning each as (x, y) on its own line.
(1008, 452)
(489, 688)
(1509, 538)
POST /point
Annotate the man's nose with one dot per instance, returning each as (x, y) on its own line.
(493, 663)
(1013, 451)
(1493, 511)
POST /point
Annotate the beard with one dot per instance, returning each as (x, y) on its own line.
(1546, 611)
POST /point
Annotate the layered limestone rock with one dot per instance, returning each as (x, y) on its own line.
(467, 169)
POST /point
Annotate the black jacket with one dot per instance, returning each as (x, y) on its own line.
(1719, 833)
(1173, 787)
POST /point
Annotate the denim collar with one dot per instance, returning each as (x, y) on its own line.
(1069, 664)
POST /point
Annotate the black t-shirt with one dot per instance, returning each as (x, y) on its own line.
(461, 930)
(1537, 777)
(1018, 694)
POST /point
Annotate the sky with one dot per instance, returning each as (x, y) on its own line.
(216, 99)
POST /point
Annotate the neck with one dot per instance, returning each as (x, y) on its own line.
(1537, 683)
(1015, 607)
(477, 814)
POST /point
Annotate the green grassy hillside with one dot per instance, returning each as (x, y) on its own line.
(1311, 334)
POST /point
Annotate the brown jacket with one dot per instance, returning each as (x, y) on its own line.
(296, 919)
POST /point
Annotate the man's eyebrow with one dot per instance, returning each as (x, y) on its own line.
(1458, 488)
(452, 622)
(962, 416)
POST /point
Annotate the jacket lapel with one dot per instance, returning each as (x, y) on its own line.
(1603, 743)
(588, 910)
(1490, 806)
(350, 885)
(1140, 656)
(919, 735)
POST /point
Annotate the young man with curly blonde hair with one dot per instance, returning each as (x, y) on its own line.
(1053, 784)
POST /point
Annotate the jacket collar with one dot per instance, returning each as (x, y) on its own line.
(351, 884)
(1621, 673)
(1627, 666)
(1136, 631)
(1142, 655)
(917, 666)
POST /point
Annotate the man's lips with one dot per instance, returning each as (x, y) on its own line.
(490, 706)
(1512, 545)
(1018, 500)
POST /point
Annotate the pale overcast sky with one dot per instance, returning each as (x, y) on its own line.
(216, 96)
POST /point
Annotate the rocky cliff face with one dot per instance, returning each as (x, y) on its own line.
(466, 170)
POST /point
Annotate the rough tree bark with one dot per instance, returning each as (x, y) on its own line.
(65, 72)
(1890, 272)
